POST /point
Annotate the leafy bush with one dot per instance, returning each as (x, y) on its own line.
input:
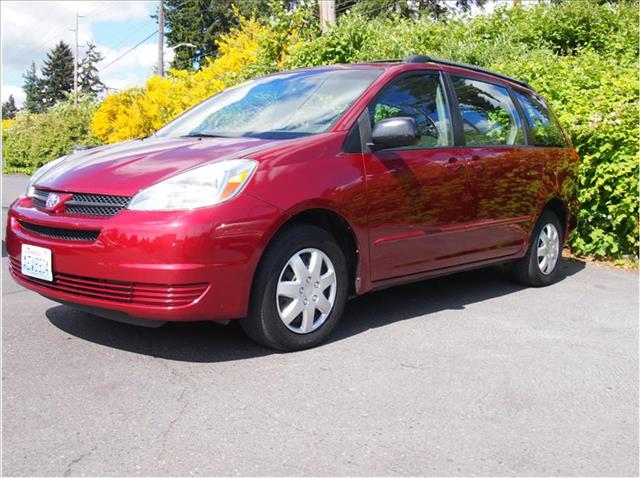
(562, 29)
(35, 139)
(596, 99)
(287, 30)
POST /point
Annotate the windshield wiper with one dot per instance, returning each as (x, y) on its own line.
(203, 135)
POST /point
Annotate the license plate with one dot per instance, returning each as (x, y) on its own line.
(36, 262)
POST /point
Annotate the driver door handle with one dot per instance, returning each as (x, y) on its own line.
(455, 164)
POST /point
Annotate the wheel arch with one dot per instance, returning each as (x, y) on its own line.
(559, 207)
(336, 225)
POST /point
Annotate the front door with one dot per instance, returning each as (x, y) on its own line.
(418, 196)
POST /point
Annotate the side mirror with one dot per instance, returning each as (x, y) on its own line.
(394, 133)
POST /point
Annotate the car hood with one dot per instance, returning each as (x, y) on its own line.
(125, 168)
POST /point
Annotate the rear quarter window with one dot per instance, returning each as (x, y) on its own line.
(544, 128)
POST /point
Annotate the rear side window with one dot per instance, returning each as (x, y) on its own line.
(544, 129)
(422, 98)
(488, 115)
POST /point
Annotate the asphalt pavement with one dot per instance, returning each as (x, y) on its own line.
(468, 374)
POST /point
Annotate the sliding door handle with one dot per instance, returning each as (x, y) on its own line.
(478, 164)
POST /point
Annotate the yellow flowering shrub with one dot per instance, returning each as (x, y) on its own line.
(138, 112)
(6, 123)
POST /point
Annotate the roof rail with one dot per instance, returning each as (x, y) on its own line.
(388, 60)
(441, 61)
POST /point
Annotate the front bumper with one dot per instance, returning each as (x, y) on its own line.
(167, 266)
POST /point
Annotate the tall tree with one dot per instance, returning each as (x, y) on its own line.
(201, 22)
(9, 108)
(88, 79)
(33, 88)
(57, 74)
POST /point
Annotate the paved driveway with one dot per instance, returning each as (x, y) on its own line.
(462, 375)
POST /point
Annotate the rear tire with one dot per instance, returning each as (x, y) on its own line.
(541, 264)
(300, 290)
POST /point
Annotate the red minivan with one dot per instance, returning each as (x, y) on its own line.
(276, 200)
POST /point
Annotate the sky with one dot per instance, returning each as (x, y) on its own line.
(31, 28)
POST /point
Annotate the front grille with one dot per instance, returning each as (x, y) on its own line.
(91, 210)
(61, 233)
(82, 204)
(158, 295)
(40, 198)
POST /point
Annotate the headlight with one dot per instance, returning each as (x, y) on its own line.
(198, 187)
(39, 173)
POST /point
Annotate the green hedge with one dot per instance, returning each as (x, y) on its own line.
(581, 55)
(33, 140)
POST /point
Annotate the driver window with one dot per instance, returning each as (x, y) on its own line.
(488, 114)
(422, 98)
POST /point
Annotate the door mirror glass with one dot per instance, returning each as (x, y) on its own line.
(394, 133)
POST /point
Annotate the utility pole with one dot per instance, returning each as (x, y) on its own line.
(75, 62)
(160, 38)
(327, 14)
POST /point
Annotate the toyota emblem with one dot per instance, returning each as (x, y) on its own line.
(52, 200)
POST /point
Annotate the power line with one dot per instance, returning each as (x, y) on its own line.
(95, 11)
(129, 51)
(124, 39)
(392, 3)
(45, 42)
(129, 35)
(344, 7)
(107, 7)
(58, 33)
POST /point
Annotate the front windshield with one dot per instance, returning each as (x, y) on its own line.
(288, 105)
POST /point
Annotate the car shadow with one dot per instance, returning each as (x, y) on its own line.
(451, 292)
(208, 342)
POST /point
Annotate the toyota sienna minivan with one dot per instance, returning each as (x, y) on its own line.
(275, 201)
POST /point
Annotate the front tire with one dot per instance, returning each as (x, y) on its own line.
(300, 290)
(541, 264)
